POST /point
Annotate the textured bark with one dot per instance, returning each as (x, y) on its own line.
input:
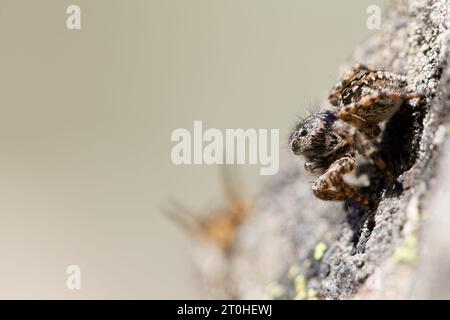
(297, 247)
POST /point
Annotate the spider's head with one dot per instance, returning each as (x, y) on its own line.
(314, 137)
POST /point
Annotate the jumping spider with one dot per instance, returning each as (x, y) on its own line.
(330, 139)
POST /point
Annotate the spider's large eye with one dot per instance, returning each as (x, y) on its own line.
(302, 132)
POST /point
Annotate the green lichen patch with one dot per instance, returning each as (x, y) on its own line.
(319, 250)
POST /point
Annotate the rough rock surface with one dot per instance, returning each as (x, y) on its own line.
(297, 247)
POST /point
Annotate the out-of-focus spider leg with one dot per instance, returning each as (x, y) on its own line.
(238, 205)
(184, 217)
(346, 79)
(333, 179)
(219, 228)
(363, 145)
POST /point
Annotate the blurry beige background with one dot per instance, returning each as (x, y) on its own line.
(86, 118)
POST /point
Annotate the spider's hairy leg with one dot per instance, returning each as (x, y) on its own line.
(363, 145)
(371, 130)
(333, 178)
(372, 100)
(345, 80)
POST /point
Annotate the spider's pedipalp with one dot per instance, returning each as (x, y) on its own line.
(331, 185)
